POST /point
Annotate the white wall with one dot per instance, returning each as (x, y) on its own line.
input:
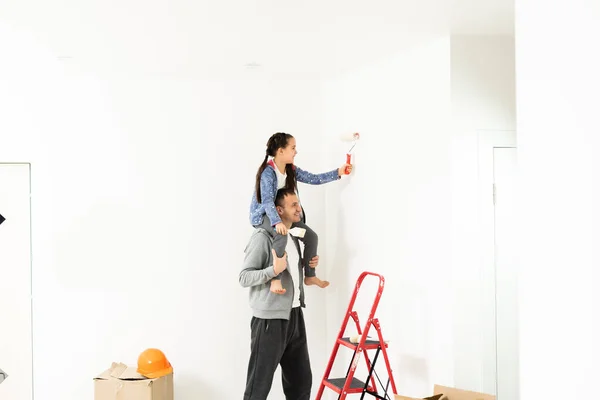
(393, 216)
(483, 111)
(141, 187)
(557, 106)
(126, 232)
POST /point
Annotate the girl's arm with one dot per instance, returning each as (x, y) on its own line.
(316, 179)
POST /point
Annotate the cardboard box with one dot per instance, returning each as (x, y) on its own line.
(448, 393)
(121, 382)
(457, 394)
(437, 397)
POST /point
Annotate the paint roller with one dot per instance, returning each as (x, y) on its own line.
(347, 138)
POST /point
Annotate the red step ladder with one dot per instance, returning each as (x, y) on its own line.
(349, 384)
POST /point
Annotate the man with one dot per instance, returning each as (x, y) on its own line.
(278, 333)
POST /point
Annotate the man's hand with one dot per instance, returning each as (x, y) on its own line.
(279, 264)
(314, 262)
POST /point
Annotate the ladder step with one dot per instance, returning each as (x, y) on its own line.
(369, 344)
(337, 384)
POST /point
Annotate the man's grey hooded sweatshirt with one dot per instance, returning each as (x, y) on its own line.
(256, 274)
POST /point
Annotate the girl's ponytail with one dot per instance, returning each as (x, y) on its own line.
(258, 174)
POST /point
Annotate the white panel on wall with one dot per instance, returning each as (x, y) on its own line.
(15, 283)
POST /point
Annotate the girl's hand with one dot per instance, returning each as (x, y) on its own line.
(346, 167)
(281, 229)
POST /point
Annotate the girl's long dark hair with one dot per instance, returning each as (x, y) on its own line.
(277, 141)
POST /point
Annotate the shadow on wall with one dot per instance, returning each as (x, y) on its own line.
(343, 253)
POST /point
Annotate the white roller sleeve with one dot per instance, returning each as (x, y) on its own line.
(349, 137)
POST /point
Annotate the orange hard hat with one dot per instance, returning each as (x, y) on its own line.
(152, 363)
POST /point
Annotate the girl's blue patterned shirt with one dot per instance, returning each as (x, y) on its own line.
(268, 190)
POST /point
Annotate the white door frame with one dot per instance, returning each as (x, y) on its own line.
(30, 394)
(487, 140)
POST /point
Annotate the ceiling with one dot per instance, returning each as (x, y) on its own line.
(189, 38)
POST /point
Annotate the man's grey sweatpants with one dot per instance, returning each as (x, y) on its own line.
(275, 342)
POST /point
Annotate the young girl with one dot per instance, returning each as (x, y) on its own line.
(278, 171)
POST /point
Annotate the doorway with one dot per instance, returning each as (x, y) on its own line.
(15, 282)
(497, 176)
(505, 261)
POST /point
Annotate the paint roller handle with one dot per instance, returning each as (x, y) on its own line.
(348, 161)
(355, 137)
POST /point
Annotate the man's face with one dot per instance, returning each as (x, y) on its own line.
(290, 212)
